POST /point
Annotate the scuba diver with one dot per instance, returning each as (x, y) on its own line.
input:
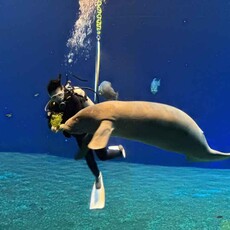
(66, 101)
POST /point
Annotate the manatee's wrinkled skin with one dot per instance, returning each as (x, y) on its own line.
(155, 124)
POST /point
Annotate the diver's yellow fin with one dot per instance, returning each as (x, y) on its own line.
(102, 135)
(97, 200)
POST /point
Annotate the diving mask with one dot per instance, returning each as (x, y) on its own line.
(58, 97)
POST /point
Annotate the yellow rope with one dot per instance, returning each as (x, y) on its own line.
(99, 19)
(98, 51)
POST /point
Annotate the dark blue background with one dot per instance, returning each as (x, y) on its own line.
(185, 43)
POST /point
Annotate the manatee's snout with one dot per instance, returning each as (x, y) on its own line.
(70, 126)
(64, 127)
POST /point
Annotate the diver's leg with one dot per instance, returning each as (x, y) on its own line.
(111, 153)
(90, 160)
(92, 164)
(82, 141)
(116, 151)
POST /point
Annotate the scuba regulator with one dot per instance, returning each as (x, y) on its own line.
(68, 92)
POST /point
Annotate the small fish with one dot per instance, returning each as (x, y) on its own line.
(9, 115)
(154, 85)
(36, 94)
(106, 90)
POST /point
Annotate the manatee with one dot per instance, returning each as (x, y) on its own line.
(160, 125)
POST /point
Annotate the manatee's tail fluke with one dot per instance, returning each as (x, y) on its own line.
(217, 155)
(209, 155)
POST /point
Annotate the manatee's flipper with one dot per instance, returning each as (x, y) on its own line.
(97, 200)
(102, 135)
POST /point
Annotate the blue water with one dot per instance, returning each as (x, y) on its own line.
(46, 192)
(183, 43)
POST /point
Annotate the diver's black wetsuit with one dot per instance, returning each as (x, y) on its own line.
(72, 105)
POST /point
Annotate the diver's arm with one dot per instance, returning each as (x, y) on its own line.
(88, 102)
(82, 93)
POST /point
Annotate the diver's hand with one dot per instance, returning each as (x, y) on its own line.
(58, 129)
(62, 127)
(54, 129)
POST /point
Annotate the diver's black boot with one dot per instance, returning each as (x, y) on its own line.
(98, 181)
(116, 151)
